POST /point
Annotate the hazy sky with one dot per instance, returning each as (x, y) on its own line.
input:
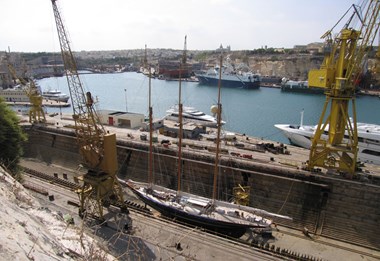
(29, 26)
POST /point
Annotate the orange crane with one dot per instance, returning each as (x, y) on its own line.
(339, 75)
(36, 112)
(97, 146)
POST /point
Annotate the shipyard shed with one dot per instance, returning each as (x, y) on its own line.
(121, 119)
(157, 124)
(190, 129)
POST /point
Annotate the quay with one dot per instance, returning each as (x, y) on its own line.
(328, 206)
(45, 102)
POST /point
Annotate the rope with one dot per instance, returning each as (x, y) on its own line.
(286, 199)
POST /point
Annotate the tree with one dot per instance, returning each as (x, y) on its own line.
(12, 137)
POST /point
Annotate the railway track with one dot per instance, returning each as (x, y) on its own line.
(74, 186)
(259, 245)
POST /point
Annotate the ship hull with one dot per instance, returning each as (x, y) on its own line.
(229, 83)
(300, 86)
(368, 145)
(232, 230)
(53, 98)
(174, 74)
(222, 217)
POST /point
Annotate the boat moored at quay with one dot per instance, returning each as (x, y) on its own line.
(55, 95)
(229, 78)
(368, 139)
(190, 114)
(15, 94)
(299, 86)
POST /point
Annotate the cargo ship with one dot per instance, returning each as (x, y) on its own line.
(229, 78)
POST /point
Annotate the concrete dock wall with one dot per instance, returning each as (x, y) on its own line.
(327, 206)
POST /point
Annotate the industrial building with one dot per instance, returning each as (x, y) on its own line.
(121, 119)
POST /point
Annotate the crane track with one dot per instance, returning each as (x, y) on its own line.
(262, 246)
(74, 186)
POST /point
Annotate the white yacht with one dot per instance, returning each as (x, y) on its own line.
(368, 139)
(55, 95)
(191, 114)
(15, 94)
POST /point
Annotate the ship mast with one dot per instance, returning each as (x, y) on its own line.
(150, 174)
(219, 120)
(150, 180)
(180, 111)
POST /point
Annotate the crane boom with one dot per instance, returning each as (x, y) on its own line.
(36, 112)
(97, 147)
(340, 75)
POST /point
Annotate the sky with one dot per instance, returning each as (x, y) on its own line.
(29, 25)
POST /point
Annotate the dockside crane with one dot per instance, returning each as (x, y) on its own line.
(36, 112)
(96, 146)
(339, 75)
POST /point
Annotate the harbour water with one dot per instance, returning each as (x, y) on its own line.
(253, 112)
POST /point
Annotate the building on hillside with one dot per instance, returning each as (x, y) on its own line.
(221, 49)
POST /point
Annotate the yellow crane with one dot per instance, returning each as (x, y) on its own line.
(96, 146)
(339, 75)
(36, 112)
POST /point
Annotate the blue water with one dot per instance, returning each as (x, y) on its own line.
(253, 112)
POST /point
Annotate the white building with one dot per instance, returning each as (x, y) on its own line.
(121, 119)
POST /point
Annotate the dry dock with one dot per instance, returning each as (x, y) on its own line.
(331, 208)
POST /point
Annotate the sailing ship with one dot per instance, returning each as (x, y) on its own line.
(208, 213)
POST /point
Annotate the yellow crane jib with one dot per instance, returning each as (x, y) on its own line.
(96, 146)
(36, 112)
(335, 143)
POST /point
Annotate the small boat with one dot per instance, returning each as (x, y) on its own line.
(229, 77)
(55, 95)
(368, 138)
(209, 213)
(190, 114)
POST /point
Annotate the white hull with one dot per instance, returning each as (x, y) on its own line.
(368, 136)
(55, 95)
(198, 122)
(17, 94)
(191, 114)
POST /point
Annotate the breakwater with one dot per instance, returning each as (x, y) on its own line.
(330, 206)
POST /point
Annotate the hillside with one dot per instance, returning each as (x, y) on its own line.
(30, 231)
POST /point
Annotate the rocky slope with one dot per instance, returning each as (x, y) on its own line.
(30, 231)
